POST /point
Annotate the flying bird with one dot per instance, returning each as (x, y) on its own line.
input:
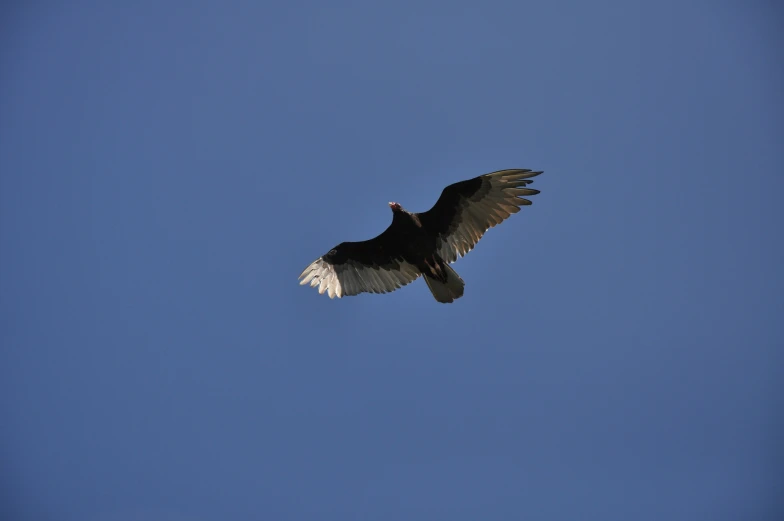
(423, 243)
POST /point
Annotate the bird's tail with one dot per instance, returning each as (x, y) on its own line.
(444, 283)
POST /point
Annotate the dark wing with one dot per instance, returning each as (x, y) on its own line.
(466, 210)
(350, 268)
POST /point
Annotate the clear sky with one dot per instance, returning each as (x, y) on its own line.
(167, 169)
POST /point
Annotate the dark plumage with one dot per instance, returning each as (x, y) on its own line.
(423, 243)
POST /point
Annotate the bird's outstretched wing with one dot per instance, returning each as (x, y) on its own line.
(350, 268)
(466, 210)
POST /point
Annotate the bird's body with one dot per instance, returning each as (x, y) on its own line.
(423, 243)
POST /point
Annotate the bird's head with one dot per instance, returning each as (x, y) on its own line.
(395, 207)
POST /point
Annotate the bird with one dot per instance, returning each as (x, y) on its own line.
(424, 243)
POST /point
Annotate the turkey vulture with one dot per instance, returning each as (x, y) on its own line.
(423, 243)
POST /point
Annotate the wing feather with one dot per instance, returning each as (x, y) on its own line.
(339, 280)
(466, 210)
(351, 268)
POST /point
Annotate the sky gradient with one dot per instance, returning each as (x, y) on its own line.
(168, 169)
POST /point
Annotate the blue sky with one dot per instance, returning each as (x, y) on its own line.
(167, 170)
